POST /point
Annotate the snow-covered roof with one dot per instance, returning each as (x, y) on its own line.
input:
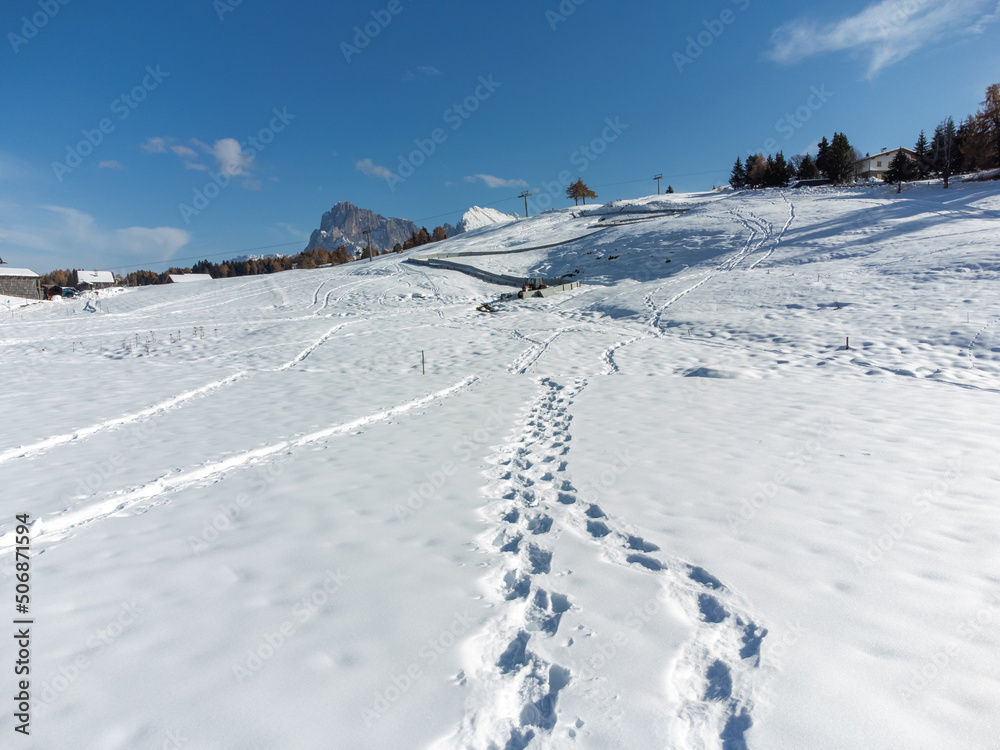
(19, 272)
(188, 277)
(889, 152)
(95, 277)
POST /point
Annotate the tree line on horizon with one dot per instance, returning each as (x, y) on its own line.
(314, 258)
(973, 146)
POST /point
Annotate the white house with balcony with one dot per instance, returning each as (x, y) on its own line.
(876, 165)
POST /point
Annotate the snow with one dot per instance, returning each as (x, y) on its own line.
(668, 509)
(8, 302)
(187, 278)
(18, 272)
(478, 217)
(95, 277)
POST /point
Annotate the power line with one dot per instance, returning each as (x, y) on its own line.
(201, 257)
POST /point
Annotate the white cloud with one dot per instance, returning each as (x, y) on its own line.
(423, 71)
(185, 152)
(110, 164)
(887, 31)
(155, 146)
(992, 17)
(159, 243)
(496, 182)
(58, 236)
(370, 168)
(231, 157)
(232, 160)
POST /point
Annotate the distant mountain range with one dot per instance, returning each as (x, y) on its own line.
(345, 223)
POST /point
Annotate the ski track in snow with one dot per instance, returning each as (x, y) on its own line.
(971, 355)
(159, 409)
(85, 432)
(533, 353)
(777, 240)
(303, 355)
(609, 355)
(513, 689)
(58, 526)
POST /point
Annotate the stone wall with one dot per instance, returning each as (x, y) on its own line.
(19, 286)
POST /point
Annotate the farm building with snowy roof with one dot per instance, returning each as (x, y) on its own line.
(20, 282)
(94, 279)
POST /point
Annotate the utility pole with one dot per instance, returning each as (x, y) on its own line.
(368, 233)
(658, 178)
(525, 195)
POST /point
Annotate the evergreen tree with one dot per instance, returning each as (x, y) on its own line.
(780, 171)
(901, 169)
(670, 189)
(990, 117)
(922, 162)
(738, 177)
(808, 169)
(823, 158)
(944, 150)
(840, 160)
(770, 176)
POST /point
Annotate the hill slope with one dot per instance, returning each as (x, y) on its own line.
(669, 509)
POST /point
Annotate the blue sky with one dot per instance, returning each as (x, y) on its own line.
(136, 133)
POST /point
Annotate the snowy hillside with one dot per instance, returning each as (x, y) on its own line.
(669, 509)
(478, 217)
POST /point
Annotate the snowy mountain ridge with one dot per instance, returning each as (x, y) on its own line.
(477, 218)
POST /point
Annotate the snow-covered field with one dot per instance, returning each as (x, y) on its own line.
(670, 509)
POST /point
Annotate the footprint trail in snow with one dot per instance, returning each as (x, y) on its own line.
(514, 690)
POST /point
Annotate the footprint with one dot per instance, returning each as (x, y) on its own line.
(710, 608)
(516, 586)
(540, 524)
(641, 545)
(527, 498)
(543, 617)
(752, 637)
(594, 511)
(732, 734)
(565, 498)
(519, 740)
(647, 562)
(542, 713)
(540, 559)
(513, 545)
(720, 682)
(597, 529)
(512, 515)
(515, 655)
(702, 576)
